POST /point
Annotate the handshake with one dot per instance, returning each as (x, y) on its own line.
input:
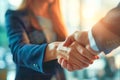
(80, 49)
(75, 52)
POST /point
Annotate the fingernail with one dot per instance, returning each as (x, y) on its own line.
(96, 57)
(91, 62)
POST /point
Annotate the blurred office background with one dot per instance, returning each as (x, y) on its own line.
(78, 15)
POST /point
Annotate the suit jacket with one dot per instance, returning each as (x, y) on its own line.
(107, 31)
(28, 48)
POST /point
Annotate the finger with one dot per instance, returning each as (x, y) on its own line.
(72, 59)
(80, 57)
(83, 51)
(69, 67)
(59, 60)
(77, 54)
(82, 38)
(75, 60)
(68, 41)
(64, 63)
(95, 53)
(75, 67)
(80, 66)
(91, 50)
(63, 52)
(79, 63)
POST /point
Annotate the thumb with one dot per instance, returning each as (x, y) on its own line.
(69, 40)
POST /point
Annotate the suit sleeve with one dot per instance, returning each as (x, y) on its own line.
(107, 31)
(24, 53)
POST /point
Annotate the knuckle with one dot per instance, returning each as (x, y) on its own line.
(83, 51)
(70, 51)
(86, 61)
(90, 57)
(79, 68)
(69, 70)
(73, 44)
(68, 59)
(86, 65)
(69, 37)
(90, 62)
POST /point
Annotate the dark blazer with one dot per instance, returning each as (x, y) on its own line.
(107, 31)
(28, 47)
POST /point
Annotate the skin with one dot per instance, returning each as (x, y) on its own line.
(80, 54)
(67, 60)
(40, 7)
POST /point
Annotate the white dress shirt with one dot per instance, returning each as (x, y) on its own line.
(93, 44)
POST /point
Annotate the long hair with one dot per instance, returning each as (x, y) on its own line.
(55, 16)
(57, 19)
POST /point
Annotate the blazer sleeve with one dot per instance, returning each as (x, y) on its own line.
(24, 53)
(107, 31)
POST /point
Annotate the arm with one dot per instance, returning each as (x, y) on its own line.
(51, 53)
(24, 53)
(107, 31)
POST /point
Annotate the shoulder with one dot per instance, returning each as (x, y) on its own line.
(21, 16)
(14, 13)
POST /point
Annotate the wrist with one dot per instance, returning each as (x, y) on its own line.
(92, 41)
(96, 31)
(102, 35)
(51, 53)
(105, 39)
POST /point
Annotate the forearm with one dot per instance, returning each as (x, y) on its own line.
(107, 31)
(106, 40)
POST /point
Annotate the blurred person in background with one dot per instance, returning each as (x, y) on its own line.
(32, 31)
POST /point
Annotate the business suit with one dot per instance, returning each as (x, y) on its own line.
(107, 31)
(28, 48)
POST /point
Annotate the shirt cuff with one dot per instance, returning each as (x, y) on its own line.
(93, 44)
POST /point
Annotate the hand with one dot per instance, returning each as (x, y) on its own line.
(75, 57)
(80, 36)
(78, 54)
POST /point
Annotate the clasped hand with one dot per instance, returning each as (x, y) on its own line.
(75, 53)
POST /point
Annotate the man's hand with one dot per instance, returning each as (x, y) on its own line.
(80, 37)
(75, 52)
